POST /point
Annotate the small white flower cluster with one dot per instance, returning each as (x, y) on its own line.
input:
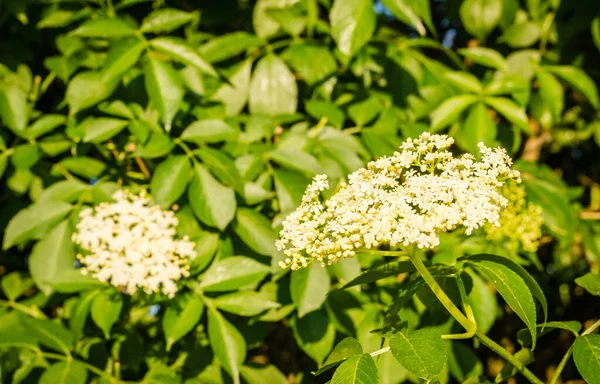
(131, 244)
(398, 201)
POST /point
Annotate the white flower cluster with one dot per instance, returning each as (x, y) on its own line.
(398, 201)
(131, 244)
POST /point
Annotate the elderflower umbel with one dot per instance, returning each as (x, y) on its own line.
(130, 243)
(520, 222)
(398, 201)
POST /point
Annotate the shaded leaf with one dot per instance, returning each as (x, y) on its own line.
(309, 287)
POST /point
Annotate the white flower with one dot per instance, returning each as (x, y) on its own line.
(130, 243)
(398, 201)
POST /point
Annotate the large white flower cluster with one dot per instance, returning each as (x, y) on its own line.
(399, 201)
(130, 243)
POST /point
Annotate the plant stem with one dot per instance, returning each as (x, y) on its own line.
(89, 367)
(567, 356)
(491, 344)
(379, 351)
(440, 294)
(23, 308)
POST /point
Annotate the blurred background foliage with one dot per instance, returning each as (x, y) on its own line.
(224, 110)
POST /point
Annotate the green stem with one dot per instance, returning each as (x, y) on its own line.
(23, 308)
(567, 356)
(491, 344)
(467, 324)
(89, 367)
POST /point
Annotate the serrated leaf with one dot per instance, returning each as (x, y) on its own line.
(258, 374)
(33, 221)
(484, 56)
(524, 337)
(165, 89)
(179, 50)
(106, 28)
(296, 159)
(212, 202)
(165, 20)
(222, 167)
(227, 343)
(345, 349)
(52, 262)
(170, 180)
(309, 287)
(352, 24)
(232, 273)
(100, 129)
(209, 131)
(106, 309)
(381, 272)
(65, 372)
(256, 231)
(590, 282)
(422, 352)
(273, 88)
(577, 79)
(181, 316)
(513, 290)
(480, 17)
(449, 111)
(245, 303)
(510, 111)
(586, 353)
(357, 370)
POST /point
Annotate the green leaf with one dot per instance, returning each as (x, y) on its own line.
(590, 282)
(209, 131)
(464, 81)
(364, 111)
(87, 89)
(309, 287)
(510, 111)
(586, 353)
(43, 125)
(480, 17)
(449, 111)
(325, 109)
(244, 303)
(50, 333)
(100, 129)
(577, 79)
(112, 28)
(232, 273)
(85, 167)
(15, 284)
(222, 167)
(256, 231)
(296, 159)
(106, 309)
(273, 88)
(552, 92)
(181, 316)
(484, 56)
(121, 57)
(352, 24)
(227, 343)
(523, 356)
(357, 370)
(264, 25)
(292, 19)
(160, 374)
(226, 46)
(524, 337)
(371, 275)
(345, 349)
(212, 202)
(557, 212)
(422, 352)
(315, 334)
(170, 180)
(302, 57)
(478, 127)
(14, 110)
(80, 312)
(513, 290)
(484, 303)
(165, 89)
(179, 50)
(521, 35)
(463, 363)
(33, 222)
(405, 12)
(52, 261)
(165, 20)
(235, 94)
(65, 372)
(257, 374)
(25, 156)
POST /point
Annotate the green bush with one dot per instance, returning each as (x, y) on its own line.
(219, 114)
